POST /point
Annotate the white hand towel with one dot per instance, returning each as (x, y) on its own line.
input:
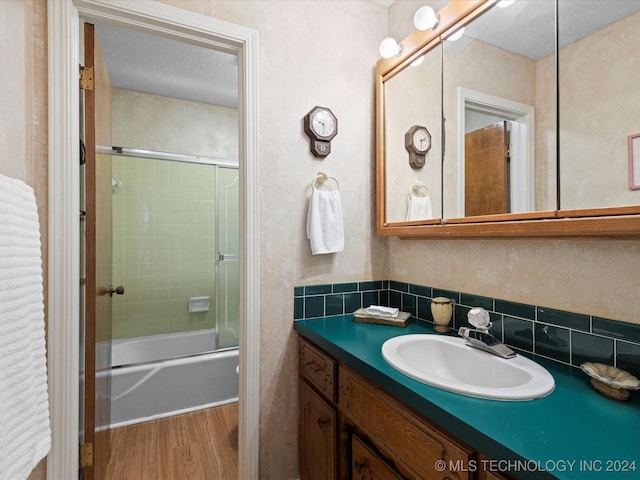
(418, 206)
(25, 434)
(325, 229)
(383, 311)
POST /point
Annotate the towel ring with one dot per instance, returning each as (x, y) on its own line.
(321, 178)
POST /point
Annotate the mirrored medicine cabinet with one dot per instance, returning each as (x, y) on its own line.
(532, 113)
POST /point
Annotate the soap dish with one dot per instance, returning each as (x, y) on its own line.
(610, 381)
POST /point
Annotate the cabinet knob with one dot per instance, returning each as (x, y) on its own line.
(359, 466)
(321, 423)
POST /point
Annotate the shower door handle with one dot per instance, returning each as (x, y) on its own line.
(118, 290)
(228, 256)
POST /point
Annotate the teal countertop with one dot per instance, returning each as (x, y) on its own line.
(574, 433)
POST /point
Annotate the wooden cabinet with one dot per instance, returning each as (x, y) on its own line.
(317, 436)
(350, 429)
(317, 414)
(485, 472)
(414, 446)
(367, 465)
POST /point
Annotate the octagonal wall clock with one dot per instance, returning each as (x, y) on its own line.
(320, 125)
(417, 141)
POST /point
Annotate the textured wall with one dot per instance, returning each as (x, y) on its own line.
(594, 128)
(23, 103)
(153, 122)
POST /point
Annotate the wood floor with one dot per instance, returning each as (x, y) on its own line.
(202, 445)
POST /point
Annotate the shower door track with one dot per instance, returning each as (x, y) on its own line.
(156, 155)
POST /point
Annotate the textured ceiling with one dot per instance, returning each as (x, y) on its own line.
(154, 64)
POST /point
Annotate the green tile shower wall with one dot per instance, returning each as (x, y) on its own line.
(163, 245)
(565, 337)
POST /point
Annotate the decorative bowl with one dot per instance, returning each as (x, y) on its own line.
(610, 381)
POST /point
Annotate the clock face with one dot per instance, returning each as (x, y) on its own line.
(421, 140)
(323, 123)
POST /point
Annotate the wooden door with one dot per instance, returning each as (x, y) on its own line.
(98, 258)
(486, 171)
(317, 436)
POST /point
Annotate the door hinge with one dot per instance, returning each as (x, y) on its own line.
(86, 78)
(86, 455)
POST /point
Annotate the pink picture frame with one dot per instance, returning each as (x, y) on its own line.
(633, 142)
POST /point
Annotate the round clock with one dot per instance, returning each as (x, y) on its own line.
(321, 125)
(417, 141)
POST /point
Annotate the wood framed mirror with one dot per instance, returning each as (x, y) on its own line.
(544, 193)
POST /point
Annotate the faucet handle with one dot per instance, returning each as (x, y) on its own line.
(479, 318)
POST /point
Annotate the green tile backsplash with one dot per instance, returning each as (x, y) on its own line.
(566, 337)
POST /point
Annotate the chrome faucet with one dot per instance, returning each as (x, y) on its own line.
(484, 341)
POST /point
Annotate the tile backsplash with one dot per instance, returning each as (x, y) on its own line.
(566, 337)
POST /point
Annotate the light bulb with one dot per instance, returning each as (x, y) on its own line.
(418, 62)
(389, 48)
(456, 35)
(504, 3)
(426, 18)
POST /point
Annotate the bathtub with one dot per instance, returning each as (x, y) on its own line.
(145, 386)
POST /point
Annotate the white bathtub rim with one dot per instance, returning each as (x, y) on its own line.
(181, 360)
(192, 342)
(168, 414)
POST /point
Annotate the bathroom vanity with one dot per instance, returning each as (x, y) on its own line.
(361, 419)
(351, 428)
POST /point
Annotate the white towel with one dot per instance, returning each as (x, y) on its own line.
(418, 206)
(325, 229)
(25, 434)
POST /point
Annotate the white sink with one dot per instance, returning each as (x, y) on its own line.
(450, 364)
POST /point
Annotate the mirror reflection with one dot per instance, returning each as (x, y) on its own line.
(599, 98)
(413, 171)
(499, 107)
(503, 149)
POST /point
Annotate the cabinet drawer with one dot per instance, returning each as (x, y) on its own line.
(366, 465)
(407, 440)
(318, 369)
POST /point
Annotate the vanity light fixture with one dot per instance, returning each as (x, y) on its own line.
(418, 62)
(426, 18)
(456, 36)
(390, 48)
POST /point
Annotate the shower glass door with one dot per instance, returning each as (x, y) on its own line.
(228, 256)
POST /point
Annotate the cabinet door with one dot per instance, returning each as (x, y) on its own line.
(317, 436)
(367, 465)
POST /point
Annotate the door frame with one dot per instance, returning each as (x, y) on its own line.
(63, 225)
(522, 171)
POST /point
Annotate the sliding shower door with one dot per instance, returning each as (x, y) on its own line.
(228, 257)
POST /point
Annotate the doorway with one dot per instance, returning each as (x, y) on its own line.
(63, 188)
(521, 121)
